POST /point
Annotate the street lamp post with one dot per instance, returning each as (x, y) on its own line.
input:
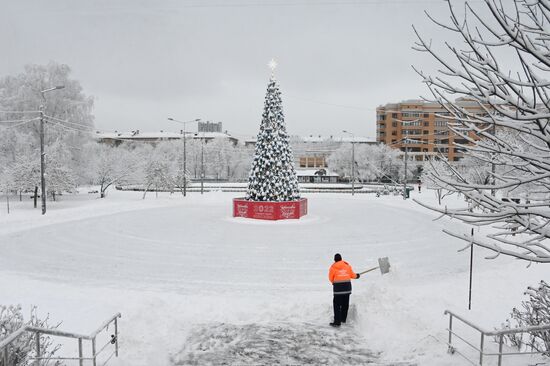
(184, 151)
(405, 178)
(352, 161)
(202, 163)
(42, 153)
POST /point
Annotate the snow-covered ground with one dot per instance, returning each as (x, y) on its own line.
(196, 286)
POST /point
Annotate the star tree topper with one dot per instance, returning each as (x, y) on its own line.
(272, 65)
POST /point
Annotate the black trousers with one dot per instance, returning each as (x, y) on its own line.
(341, 305)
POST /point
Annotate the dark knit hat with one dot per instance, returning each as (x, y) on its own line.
(337, 257)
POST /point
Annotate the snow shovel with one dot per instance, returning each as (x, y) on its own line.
(383, 264)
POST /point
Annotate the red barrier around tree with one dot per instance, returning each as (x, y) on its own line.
(267, 210)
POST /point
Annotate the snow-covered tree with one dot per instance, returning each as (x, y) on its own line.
(60, 177)
(501, 63)
(158, 170)
(6, 185)
(25, 172)
(20, 94)
(434, 169)
(110, 165)
(272, 175)
(68, 117)
(372, 162)
(20, 159)
(239, 163)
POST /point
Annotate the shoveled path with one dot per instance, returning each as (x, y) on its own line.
(281, 343)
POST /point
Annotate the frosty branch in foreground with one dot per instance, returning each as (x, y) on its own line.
(505, 175)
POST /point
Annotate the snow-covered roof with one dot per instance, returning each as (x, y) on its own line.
(138, 135)
(355, 139)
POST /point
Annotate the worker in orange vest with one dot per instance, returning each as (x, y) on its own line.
(340, 275)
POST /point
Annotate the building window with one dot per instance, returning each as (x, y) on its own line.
(426, 124)
(426, 132)
(411, 123)
(440, 123)
(426, 115)
(381, 117)
(394, 115)
(394, 124)
(410, 114)
(394, 133)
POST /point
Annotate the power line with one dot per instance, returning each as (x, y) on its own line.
(65, 121)
(15, 120)
(68, 127)
(20, 123)
(309, 3)
(20, 112)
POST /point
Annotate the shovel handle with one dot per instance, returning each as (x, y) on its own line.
(368, 270)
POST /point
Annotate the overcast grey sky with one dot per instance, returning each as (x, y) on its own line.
(145, 60)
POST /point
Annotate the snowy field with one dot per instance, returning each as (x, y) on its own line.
(196, 286)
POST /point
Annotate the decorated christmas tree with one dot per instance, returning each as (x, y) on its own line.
(272, 176)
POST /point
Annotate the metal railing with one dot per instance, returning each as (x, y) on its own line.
(496, 334)
(39, 356)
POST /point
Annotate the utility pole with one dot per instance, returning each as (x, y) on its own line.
(42, 161)
(202, 164)
(405, 179)
(184, 163)
(352, 161)
(352, 168)
(184, 137)
(8, 198)
(42, 153)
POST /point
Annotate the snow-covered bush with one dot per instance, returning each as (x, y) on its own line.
(11, 319)
(533, 312)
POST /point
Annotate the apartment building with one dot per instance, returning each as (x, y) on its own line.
(422, 128)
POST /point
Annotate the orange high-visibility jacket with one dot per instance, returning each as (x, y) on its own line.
(340, 274)
(341, 271)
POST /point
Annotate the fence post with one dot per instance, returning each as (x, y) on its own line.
(37, 348)
(450, 331)
(93, 352)
(500, 341)
(481, 350)
(116, 336)
(80, 353)
(5, 356)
